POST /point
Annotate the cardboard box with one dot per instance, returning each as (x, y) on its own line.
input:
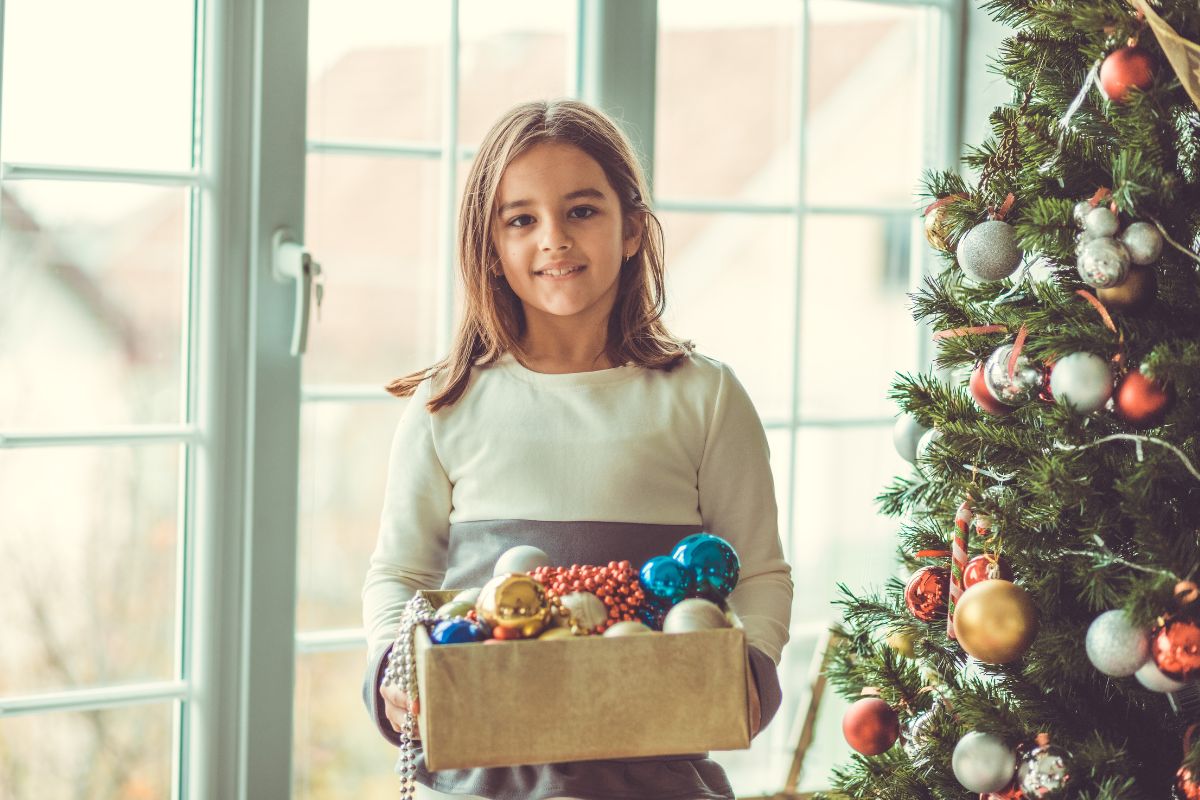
(581, 699)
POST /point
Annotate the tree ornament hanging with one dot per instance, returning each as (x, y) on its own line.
(1187, 785)
(982, 762)
(1175, 645)
(1140, 401)
(903, 643)
(937, 224)
(1016, 389)
(983, 396)
(1102, 262)
(906, 433)
(989, 252)
(1115, 645)
(986, 567)
(870, 726)
(996, 622)
(1150, 677)
(1144, 243)
(927, 440)
(1100, 222)
(1082, 381)
(1044, 770)
(1132, 294)
(1124, 70)
(927, 593)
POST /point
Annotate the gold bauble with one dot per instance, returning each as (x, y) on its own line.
(995, 621)
(516, 602)
(937, 231)
(902, 643)
(1133, 293)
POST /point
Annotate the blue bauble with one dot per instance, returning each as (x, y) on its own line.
(652, 613)
(713, 563)
(457, 631)
(666, 580)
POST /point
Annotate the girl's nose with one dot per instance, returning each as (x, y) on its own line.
(555, 236)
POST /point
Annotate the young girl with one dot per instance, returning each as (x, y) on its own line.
(569, 418)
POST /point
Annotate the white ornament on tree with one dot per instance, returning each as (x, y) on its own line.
(1116, 646)
(1152, 678)
(989, 252)
(906, 433)
(982, 762)
(1082, 381)
(1101, 221)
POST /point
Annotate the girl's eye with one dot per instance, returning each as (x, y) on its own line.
(591, 212)
(518, 222)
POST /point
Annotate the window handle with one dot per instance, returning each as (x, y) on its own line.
(291, 262)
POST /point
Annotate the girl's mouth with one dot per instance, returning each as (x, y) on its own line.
(559, 274)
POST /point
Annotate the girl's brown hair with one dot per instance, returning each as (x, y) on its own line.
(493, 320)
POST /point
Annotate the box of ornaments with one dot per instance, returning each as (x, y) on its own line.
(549, 663)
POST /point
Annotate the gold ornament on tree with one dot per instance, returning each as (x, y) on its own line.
(937, 230)
(995, 621)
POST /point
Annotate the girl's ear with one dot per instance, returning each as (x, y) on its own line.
(635, 227)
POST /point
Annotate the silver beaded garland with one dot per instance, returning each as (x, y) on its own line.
(1043, 771)
(1102, 262)
(989, 252)
(1024, 384)
(402, 670)
(1144, 243)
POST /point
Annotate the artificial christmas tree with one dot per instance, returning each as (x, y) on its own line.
(1063, 421)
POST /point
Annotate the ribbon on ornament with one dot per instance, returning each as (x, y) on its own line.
(1018, 345)
(1183, 55)
(942, 201)
(1002, 211)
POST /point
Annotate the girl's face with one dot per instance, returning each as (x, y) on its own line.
(559, 233)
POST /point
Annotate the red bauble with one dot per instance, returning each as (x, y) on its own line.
(1187, 785)
(984, 398)
(1125, 69)
(1013, 792)
(1175, 646)
(927, 591)
(871, 726)
(984, 568)
(1140, 401)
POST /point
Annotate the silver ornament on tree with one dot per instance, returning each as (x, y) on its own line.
(989, 252)
(1102, 263)
(1151, 677)
(1115, 645)
(1024, 384)
(1080, 211)
(1144, 243)
(1082, 381)
(927, 440)
(906, 433)
(1100, 222)
(1044, 770)
(919, 734)
(982, 762)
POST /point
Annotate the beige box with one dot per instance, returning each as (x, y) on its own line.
(581, 699)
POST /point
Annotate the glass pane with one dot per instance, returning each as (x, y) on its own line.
(731, 290)
(99, 84)
(867, 103)
(510, 53)
(343, 469)
(733, 114)
(123, 754)
(856, 329)
(88, 585)
(336, 750)
(91, 299)
(373, 225)
(375, 70)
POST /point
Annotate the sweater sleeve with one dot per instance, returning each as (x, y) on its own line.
(737, 503)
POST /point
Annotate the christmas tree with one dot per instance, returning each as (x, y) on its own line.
(1047, 643)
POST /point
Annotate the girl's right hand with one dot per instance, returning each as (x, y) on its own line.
(395, 703)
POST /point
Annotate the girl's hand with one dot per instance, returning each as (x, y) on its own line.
(395, 703)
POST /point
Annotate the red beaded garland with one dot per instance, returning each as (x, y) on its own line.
(616, 584)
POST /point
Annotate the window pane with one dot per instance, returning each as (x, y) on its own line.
(343, 470)
(373, 225)
(88, 553)
(867, 103)
(336, 750)
(510, 53)
(99, 84)
(91, 298)
(732, 114)
(376, 70)
(115, 753)
(856, 329)
(731, 290)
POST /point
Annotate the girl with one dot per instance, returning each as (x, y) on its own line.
(569, 418)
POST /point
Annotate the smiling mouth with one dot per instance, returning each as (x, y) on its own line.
(559, 273)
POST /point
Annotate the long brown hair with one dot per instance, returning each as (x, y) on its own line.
(493, 320)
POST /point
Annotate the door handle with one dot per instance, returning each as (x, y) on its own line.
(290, 261)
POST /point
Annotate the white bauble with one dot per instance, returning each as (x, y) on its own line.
(989, 252)
(1082, 381)
(468, 595)
(1152, 678)
(694, 614)
(626, 628)
(1115, 646)
(1101, 221)
(906, 433)
(983, 762)
(1144, 243)
(588, 611)
(930, 436)
(521, 559)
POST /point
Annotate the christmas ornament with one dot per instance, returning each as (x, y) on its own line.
(1102, 263)
(1175, 646)
(1131, 294)
(1140, 401)
(958, 561)
(652, 614)
(1144, 243)
(927, 593)
(585, 613)
(1082, 381)
(521, 559)
(937, 228)
(713, 563)
(457, 631)
(1116, 646)
(927, 441)
(905, 435)
(1011, 792)
(666, 580)
(1080, 211)
(1124, 70)
(615, 584)
(627, 628)
(467, 596)
(1187, 785)
(1043, 770)
(515, 603)
(982, 762)
(903, 643)
(870, 726)
(402, 671)
(989, 252)
(1023, 386)
(985, 568)
(1101, 222)
(1151, 678)
(983, 396)
(557, 633)
(453, 609)
(996, 622)
(694, 614)
(919, 734)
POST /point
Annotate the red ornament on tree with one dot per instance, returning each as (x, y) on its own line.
(1187, 787)
(1140, 401)
(986, 567)
(871, 726)
(927, 592)
(1013, 792)
(1125, 69)
(984, 398)
(1175, 645)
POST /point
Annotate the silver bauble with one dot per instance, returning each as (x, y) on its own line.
(694, 614)
(918, 735)
(905, 435)
(1025, 383)
(982, 762)
(1102, 262)
(1116, 646)
(1043, 771)
(930, 436)
(1082, 381)
(1080, 211)
(1101, 221)
(1151, 677)
(1144, 243)
(988, 252)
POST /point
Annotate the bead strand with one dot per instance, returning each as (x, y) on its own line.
(401, 670)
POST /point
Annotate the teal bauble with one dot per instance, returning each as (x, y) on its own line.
(713, 563)
(666, 580)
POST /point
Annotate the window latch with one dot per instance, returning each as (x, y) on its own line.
(291, 262)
